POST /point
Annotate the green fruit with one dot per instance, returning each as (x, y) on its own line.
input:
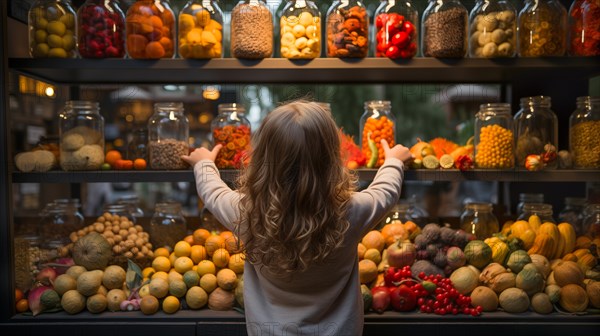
(56, 27)
(40, 36)
(40, 50)
(478, 253)
(57, 53)
(55, 41)
(517, 260)
(105, 166)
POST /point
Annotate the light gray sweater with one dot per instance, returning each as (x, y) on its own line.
(325, 299)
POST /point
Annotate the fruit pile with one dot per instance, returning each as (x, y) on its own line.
(396, 36)
(442, 153)
(200, 36)
(114, 160)
(442, 247)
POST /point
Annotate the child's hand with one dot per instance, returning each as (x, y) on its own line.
(399, 152)
(200, 154)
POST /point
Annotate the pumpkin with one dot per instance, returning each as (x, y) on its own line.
(593, 292)
(568, 272)
(478, 253)
(573, 298)
(568, 236)
(92, 251)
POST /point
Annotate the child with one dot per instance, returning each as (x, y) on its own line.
(300, 221)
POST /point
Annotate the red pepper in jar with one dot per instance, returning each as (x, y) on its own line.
(396, 36)
(584, 28)
(101, 30)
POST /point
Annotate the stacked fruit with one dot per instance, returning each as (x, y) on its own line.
(114, 160)
(441, 248)
(442, 153)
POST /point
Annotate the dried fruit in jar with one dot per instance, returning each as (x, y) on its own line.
(377, 129)
(584, 28)
(235, 140)
(348, 33)
(542, 32)
(585, 144)
(150, 30)
(495, 148)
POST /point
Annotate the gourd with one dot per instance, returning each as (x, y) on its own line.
(542, 264)
(568, 272)
(517, 260)
(544, 244)
(530, 280)
(499, 248)
(478, 253)
(593, 292)
(568, 238)
(573, 298)
(92, 251)
(220, 299)
(514, 300)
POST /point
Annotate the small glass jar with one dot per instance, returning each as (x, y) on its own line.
(201, 29)
(542, 29)
(591, 221)
(493, 29)
(583, 25)
(138, 146)
(542, 210)
(494, 140)
(584, 133)
(167, 226)
(81, 132)
(527, 199)
(444, 29)
(478, 219)
(396, 32)
(300, 30)
(52, 31)
(168, 135)
(133, 207)
(232, 130)
(101, 29)
(251, 30)
(377, 123)
(573, 212)
(150, 28)
(535, 126)
(61, 219)
(404, 211)
(347, 29)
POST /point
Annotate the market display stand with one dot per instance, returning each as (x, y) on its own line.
(561, 78)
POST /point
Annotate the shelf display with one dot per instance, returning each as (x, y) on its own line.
(494, 142)
(493, 27)
(378, 122)
(251, 30)
(150, 30)
(584, 125)
(201, 29)
(347, 29)
(168, 133)
(542, 29)
(536, 132)
(101, 29)
(232, 130)
(444, 29)
(300, 30)
(52, 30)
(81, 130)
(584, 28)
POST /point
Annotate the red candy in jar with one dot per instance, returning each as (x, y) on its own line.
(396, 29)
(584, 28)
(101, 27)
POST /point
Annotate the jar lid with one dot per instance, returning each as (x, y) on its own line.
(479, 206)
(544, 101)
(231, 107)
(588, 100)
(82, 104)
(528, 207)
(169, 106)
(495, 107)
(116, 208)
(378, 104)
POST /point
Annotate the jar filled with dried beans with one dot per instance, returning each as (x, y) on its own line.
(347, 29)
(493, 29)
(168, 134)
(101, 31)
(584, 133)
(150, 27)
(251, 30)
(444, 28)
(584, 28)
(542, 29)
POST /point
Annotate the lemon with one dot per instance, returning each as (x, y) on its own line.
(208, 282)
(177, 288)
(161, 264)
(56, 27)
(183, 264)
(182, 249)
(144, 290)
(206, 267)
(196, 298)
(170, 304)
(40, 36)
(191, 279)
(161, 251)
(147, 272)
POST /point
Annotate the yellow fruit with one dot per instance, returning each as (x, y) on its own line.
(198, 253)
(114, 277)
(177, 288)
(56, 27)
(213, 243)
(159, 288)
(373, 240)
(96, 303)
(149, 305)
(183, 264)
(64, 283)
(73, 302)
(115, 297)
(373, 255)
(147, 272)
(172, 258)
(220, 258)
(191, 278)
(89, 282)
(196, 297)
(161, 264)
(55, 41)
(208, 282)
(76, 271)
(194, 36)
(203, 17)
(162, 275)
(206, 267)
(161, 251)
(361, 251)
(226, 279)
(186, 22)
(144, 290)
(367, 271)
(174, 276)
(170, 304)
(236, 263)
(182, 249)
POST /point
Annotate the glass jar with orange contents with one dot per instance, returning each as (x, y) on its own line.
(377, 123)
(232, 130)
(150, 28)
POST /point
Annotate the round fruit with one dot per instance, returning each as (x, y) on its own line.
(236, 263)
(220, 258)
(182, 249)
(112, 156)
(170, 305)
(464, 279)
(114, 277)
(161, 264)
(206, 267)
(573, 298)
(183, 264)
(144, 290)
(221, 299)
(213, 243)
(72, 302)
(177, 288)
(374, 255)
(161, 252)
(226, 279)
(19, 294)
(22, 306)
(374, 239)
(208, 282)
(115, 297)
(161, 275)
(191, 279)
(149, 305)
(147, 272)
(198, 253)
(367, 271)
(92, 251)
(200, 236)
(64, 283)
(514, 300)
(196, 297)
(97, 303)
(541, 303)
(89, 282)
(484, 297)
(361, 251)
(233, 244)
(159, 288)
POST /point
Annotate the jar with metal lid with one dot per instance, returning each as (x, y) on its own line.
(138, 146)
(168, 136)
(347, 29)
(527, 199)
(591, 221)
(584, 23)
(478, 219)
(60, 220)
(101, 29)
(231, 129)
(542, 210)
(52, 30)
(444, 29)
(494, 140)
(396, 32)
(167, 226)
(150, 29)
(536, 126)
(81, 132)
(201, 29)
(584, 133)
(251, 30)
(542, 29)
(573, 212)
(300, 30)
(493, 29)
(377, 122)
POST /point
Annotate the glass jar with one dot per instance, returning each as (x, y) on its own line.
(167, 226)
(535, 126)
(478, 219)
(404, 211)
(52, 31)
(591, 221)
(396, 33)
(542, 210)
(61, 219)
(168, 134)
(542, 29)
(101, 29)
(81, 132)
(150, 28)
(300, 30)
(494, 140)
(251, 30)
(277, 28)
(573, 212)
(232, 130)
(138, 146)
(584, 133)
(444, 29)
(347, 29)
(493, 29)
(119, 209)
(584, 26)
(132, 202)
(201, 30)
(377, 123)
(527, 199)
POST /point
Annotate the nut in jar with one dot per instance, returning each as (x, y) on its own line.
(493, 33)
(301, 36)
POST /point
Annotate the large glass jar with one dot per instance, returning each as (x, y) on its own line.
(377, 123)
(525, 198)
(584, 133)
(251, 30)
(52, 31)
(81, 132)
(232, 130)
(150, 30)
(542, 29)
(101, 29)
(132, 202)
(536, 125)
(542, 210)
(584, 28)
(168, 136)
(493, 29)
(573, 212)
(277, 28)
(347, 29)
(201, 30)
(167, 226)
(478, 219)
(591, 221)
(61, 219)
(396, 33)
(137, 148)
(444, 29)
(494, 140)
(119, 209)
(300, 30)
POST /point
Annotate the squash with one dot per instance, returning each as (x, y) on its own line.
(579, 253)
(542, 264)
(530, 280)
(593, 292)
(552, 230)
(567, 233)
(499, 248)
(568, 272)
(514, 300)
(570, 257)
(478, 253)
(220, 299)
(484, 297)
(528, 238)
(518, 228)
(465, 280)
(573, 298)
(535, 223)
(541, 303)
(517, 260)
(553, 292)
(544, 244)
(587, 262)
(583, 242)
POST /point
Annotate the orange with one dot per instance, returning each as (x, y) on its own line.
(147, 272)
(161, 263)
(162, 274)
(226, 234)
(18, 294)
(172, 258)
(200, 236)
(170, 304)
(198, 253)
(161, 251)
(189, 239)
(183, 264)
(213, 243)
(112, 156)
(233, 245)
(154, 50)
(182, 249)
(206, 267)
(139, 164)
(374, 239)
(22, 306)
(220, 258)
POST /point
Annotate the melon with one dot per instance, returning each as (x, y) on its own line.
(484, 297)
(96, 303)
(514, 300)
(220, 299)
(89, 282)
(464, 280)
(72, 302)
(114, 277)
(542, 264)
(553, 292)
(568, 272)
(517, 260)
(92, 251)
(541, 303)
(530, 280)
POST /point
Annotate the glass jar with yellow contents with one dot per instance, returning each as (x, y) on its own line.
(542, 29)
(201, 30)
(494, 142)
(300, 30)
(52, 29)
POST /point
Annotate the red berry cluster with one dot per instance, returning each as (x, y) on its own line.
(396, 37)
(101, 31)
(444, 299)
